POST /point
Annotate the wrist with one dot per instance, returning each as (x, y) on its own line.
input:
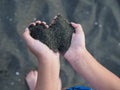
(48, 59)
(76, 55)
(44, 61)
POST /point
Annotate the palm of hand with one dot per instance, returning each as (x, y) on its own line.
(77, 42)
(42, 51)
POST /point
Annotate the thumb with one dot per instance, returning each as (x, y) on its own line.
(27, 37)
(78, 27)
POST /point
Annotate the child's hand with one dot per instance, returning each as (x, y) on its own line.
(49, 63)
(40, 50)
(77, 43)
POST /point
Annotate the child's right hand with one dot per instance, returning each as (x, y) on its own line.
(40, 50)
(77, 43)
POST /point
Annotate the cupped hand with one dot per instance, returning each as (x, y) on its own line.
(77, 43)
(40, 50)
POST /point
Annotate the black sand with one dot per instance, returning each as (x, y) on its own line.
(57, 36)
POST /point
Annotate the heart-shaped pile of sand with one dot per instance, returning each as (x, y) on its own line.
(57, 37)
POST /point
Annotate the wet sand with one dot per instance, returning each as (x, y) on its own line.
(101, 23)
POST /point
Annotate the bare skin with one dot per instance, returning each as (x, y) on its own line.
(85, 64)
(48, 63)
(31, 79)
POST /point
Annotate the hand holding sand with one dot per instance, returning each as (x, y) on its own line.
(77, 43)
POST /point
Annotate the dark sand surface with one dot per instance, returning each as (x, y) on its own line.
(99, 18)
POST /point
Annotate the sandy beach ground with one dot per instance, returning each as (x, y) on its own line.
(100, 20)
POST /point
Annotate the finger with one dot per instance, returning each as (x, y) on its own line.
(46, 26)
(32, 24)
(38, 22)
(27, 37)
(44, 23)
(78, 27)
(53, 21)
(55, 17)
